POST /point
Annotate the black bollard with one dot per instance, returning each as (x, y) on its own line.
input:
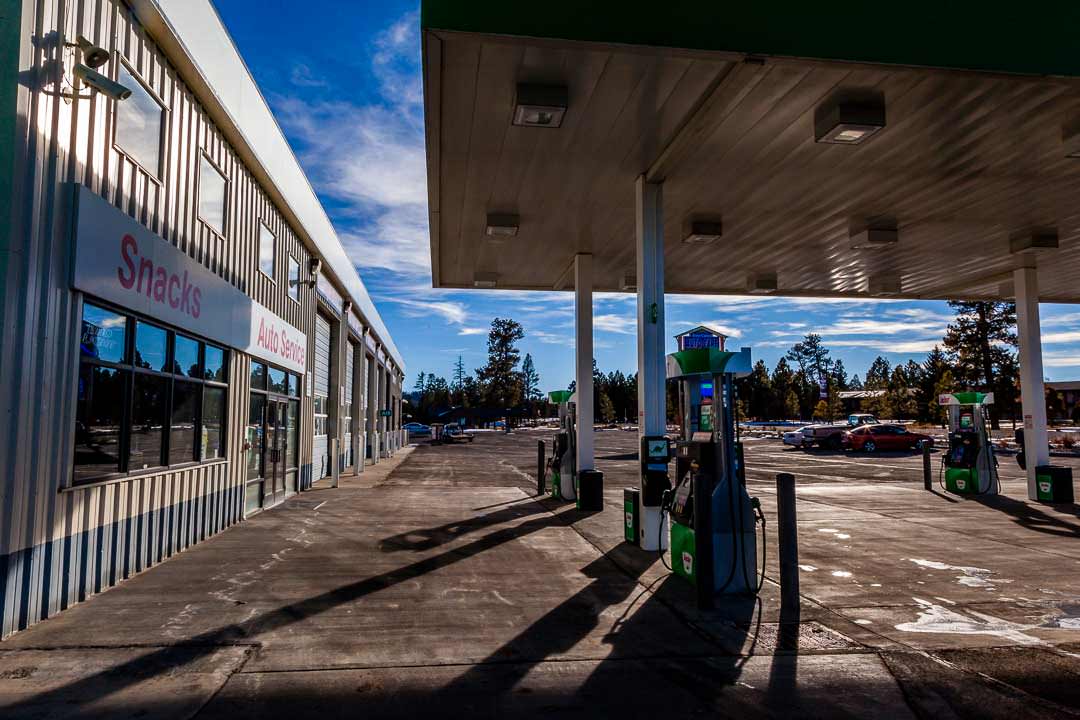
(541, 468)
(788, 538)
(927, 473)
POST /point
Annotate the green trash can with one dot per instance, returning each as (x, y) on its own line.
(1054, 484)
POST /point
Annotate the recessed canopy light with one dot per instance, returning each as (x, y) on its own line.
(704, 232)
(1033, 242)
(485, 279)
(629, 282)
(872, 238)
(885, 284)
(501, 225)
(849, 122)
(761, 283)
(1070, 140)
(540, 105)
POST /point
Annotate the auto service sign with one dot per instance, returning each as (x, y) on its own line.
(119, 260)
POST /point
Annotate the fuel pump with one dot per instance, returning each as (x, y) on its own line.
(563, 447)
(713, 519)
(969, 465)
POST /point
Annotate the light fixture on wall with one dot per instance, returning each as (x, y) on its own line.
(500, 225)
(849, 118)
(704, 231)
(93, 55)
(485, 279)
(541, 106)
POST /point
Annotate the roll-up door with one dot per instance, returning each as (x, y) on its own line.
(347, 408)
(320, 467)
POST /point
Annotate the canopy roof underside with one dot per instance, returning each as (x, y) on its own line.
(968, 158)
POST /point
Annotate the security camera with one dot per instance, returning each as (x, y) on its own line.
(93, 55)
(315, 266)
(101, 83)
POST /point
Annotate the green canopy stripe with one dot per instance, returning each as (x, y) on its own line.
(1009, 38)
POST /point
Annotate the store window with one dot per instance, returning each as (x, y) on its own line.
(148, 397)
(266, 251)
(139, 123)
(294, 278)
(213, 188)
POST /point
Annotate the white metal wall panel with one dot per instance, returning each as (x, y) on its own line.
(59, 546)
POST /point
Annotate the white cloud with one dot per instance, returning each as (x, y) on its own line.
(621, 324)
(472, 331)
(371, 157)
(877, 327)
(1061, 359)
(453, 312)
(890, 346)
(1059, 338)
(301, 76)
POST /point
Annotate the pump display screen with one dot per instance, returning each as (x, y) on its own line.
(967, 421)
(706, 390)
(657, 448)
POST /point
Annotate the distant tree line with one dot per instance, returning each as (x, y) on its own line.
(978, 352)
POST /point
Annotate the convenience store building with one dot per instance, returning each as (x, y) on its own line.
(188, 343)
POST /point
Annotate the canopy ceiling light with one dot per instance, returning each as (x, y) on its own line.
(501, 225)
(849, 120)
(540, 105)
(874, 237)
(1070, 140)
(1034, 241)
(885, 284)
(702, 231)
(485, 279)
(629, 282)
(761, 283)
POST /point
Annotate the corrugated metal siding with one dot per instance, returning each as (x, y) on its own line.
(58, 547)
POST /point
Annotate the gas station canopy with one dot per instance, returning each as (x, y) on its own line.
(956, 172)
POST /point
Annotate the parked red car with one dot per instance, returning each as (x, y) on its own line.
(871, 438)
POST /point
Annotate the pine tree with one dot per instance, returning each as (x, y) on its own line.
(979, 344)
(501, 383)
(530, 379)
(458, 386)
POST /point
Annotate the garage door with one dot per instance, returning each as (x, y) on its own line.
(347, 409)
(320, 450)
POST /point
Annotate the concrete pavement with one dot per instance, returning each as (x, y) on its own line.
(437, 586)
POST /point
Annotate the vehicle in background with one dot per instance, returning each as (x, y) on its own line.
(455, 433)
(871, 438)
(827, 435)
(417, 429)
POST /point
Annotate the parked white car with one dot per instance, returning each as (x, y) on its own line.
(795, 437)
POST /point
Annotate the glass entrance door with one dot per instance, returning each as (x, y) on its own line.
(278, 451)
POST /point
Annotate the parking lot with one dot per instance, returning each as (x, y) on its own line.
(439, 585)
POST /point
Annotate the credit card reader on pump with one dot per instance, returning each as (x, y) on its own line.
(969, 466)
(713, 539)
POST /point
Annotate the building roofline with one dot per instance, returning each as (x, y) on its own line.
(204, 53)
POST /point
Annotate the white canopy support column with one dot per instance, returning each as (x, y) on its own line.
(1026, 283)
(652, 398)
(583, 348)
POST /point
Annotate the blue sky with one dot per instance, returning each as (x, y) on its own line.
(343, 78)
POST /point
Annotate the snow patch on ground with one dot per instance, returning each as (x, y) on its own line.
(969, 577)
(939, 619)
